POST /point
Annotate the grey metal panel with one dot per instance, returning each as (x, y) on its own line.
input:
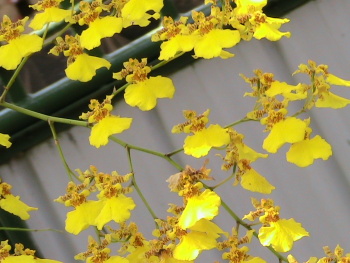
(316, 196)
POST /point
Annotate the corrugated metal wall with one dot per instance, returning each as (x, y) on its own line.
(317, 196)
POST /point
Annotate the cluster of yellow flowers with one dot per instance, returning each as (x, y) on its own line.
(208, 35)
(112, 203)
(97, 198)
(290, 129)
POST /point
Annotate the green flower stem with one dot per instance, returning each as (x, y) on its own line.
(30, 230)
(245, 119)
(72, 7)
(248, 227)
(144, 200)
(57, 143)
(222, 182)
(164, 62)
(299, 112)
(13, 78)
(159, 154)
(116, 92)
(43, 117)
(45, 32)
(225, 180)
(130, 161)
(138, 190)
(175, 152)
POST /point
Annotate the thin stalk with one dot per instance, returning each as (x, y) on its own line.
(130, 161)
(164, 62)
(140, 149)
(43, 117)
(299, 112)
(237, 226)
(138, 190)
(154, 216)
(13, 78)
(225, 180)
(144, 200)
(245, 119)
(72, 8)
(63, 159)
(175, 152)
(30, 230)
(115, 93)
(222, 182)
(46, 31)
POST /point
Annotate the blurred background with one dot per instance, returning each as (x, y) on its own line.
(315, 196)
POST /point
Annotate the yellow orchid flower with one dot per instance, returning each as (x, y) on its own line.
(18, 45)
(136, 12)
(144, 94)
(98, 26)
(51, 13)
(289, 92)
(282, 234)
(81, 66)
(176, 37)
(144, 91)
(20, 255)
(253, 181)
(5, 140)
(289, 130)
(106, 127)
(244, 7)
(113, 208)
(112, 204)
(210, 45)
(202, 236)
(83, 216)
(98, 29)
(99, 252)
(277, 232)
(322, 81)
(304, 153)
(13, 204)
(203, 139)
(206, 205)
(85, 66)
(200, 143)
(269, 28)
(105, 124)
